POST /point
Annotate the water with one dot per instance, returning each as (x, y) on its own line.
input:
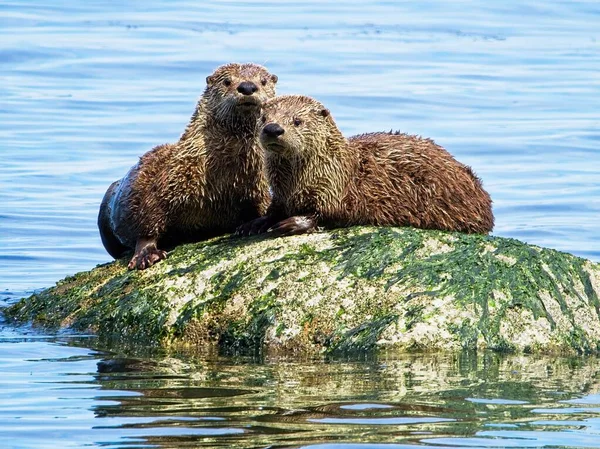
(511, 88)
(55, 395)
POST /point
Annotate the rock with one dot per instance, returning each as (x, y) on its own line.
(350, 289)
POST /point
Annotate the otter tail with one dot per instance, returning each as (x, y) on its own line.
(110, 241)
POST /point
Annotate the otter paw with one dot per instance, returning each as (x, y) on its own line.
(293, 226)
(257, 226)
(146, 258)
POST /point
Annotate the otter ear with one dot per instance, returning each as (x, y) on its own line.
(274, 79)
(209, 80)
(324, 112)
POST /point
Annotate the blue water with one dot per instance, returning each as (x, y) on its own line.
(511, 88)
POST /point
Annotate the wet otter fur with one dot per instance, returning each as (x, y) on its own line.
(206, 184)
(320, 178)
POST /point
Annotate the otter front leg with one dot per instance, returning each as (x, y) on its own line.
(146, 254)
(299, 224)
(259, 225)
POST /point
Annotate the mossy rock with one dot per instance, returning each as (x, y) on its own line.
(352, 289)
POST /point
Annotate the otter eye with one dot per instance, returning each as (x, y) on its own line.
(263, 81)
(297, 122)
(227, 82)
(263, 119)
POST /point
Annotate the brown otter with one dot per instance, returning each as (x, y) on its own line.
(206, 184)
(320, 178)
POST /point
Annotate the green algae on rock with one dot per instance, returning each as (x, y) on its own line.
(349, 289)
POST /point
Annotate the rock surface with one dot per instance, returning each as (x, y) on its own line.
(344, 290)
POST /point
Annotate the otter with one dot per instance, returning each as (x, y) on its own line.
(320, 178)
(208, 183)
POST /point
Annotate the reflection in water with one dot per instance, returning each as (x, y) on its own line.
(462, 400)
(53, 394)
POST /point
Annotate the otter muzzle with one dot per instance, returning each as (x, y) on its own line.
(273, 130)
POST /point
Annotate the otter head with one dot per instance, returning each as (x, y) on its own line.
(295, 126)
(235, 93)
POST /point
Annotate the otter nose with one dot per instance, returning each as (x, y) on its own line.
(273, 130)
(247, 88)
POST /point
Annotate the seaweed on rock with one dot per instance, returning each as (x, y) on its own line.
(352, 289)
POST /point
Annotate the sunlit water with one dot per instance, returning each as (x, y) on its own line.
(511, 88)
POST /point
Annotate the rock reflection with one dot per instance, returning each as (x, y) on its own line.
(414, 399)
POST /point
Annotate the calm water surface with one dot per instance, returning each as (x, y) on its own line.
(511, 88)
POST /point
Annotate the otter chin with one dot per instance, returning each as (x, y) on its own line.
(249, 102)
(320, 178)
(274, 146)
(208, 183)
